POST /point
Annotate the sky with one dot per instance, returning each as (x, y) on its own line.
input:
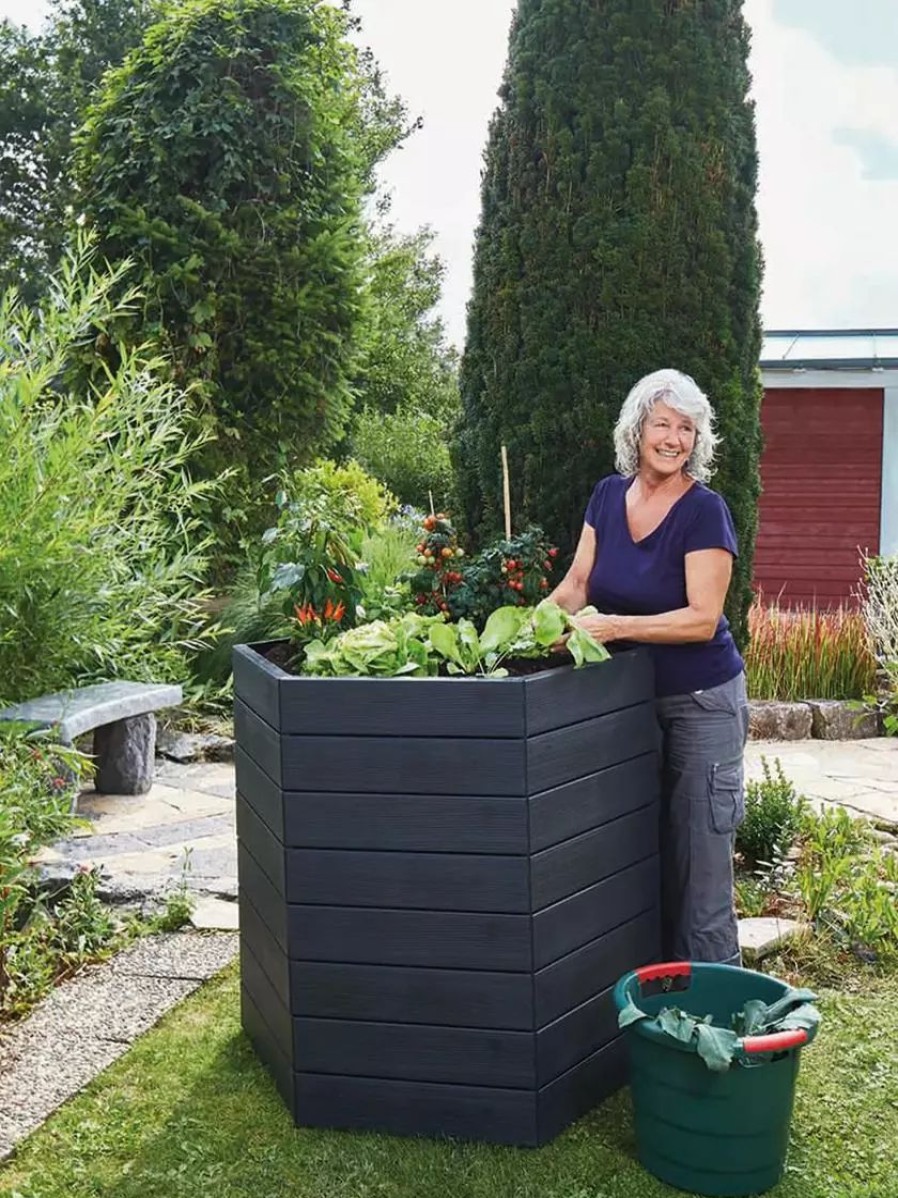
(825, 84)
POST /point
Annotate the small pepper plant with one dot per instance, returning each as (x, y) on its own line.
(308, 561)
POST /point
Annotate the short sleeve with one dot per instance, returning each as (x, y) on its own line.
(711, 527)
(596, 503)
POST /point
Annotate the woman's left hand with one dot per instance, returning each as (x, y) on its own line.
(600, 627)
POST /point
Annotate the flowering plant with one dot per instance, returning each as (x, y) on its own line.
(308, 560)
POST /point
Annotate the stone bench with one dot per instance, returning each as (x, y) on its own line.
(120, 714)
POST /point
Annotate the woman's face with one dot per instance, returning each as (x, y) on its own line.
(668, 438)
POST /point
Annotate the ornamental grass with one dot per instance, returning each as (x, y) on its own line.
(807, 653)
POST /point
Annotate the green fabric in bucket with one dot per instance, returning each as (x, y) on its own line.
(717, 1046)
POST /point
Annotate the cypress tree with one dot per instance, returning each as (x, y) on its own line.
(618, 235)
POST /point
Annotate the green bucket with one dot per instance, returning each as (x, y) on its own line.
(706, 1132)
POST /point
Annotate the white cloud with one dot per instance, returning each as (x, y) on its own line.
(828, 231)
(446, 58)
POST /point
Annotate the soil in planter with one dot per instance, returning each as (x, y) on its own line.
(284, 655)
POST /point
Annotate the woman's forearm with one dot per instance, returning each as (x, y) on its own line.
(687, 624)
(570, 594)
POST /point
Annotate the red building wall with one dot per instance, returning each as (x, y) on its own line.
(821, 473)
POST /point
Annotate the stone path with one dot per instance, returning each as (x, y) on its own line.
(146, 845)
(861, 775)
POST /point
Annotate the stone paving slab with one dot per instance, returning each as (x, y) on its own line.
(860, 775)
(89, 1021)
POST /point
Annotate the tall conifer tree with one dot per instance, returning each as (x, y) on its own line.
(618, 234)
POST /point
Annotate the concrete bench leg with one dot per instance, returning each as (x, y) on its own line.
(125, 753)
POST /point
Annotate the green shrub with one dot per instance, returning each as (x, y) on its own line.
(408, 451)
(354, 498)
(99, 552)
(37, 782)
(773, 816)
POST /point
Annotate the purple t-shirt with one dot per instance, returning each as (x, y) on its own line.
(647, 577)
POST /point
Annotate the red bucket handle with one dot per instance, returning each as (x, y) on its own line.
(673, 969)
(777, 1042)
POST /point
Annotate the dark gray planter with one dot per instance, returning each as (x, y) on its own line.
(440, 882)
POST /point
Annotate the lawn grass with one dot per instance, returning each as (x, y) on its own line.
(190, 1113)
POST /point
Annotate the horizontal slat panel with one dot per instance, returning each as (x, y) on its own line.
(428, 823)
(267, 1049)
(397, 994)
(567, 925)
(258, 888)
(257, 683)
(581, 1089)
(557, 698)
(261, 792)
(500, 1116)
(363, 935)
(558, 757)
(414, 1052)
(270, 956)
(258, 740)
(574, 978)
(266, 849)
(568, 810)
(429, 881)
(575, 1036)
(399, 765)
(460, 707)
(259, 988)
(578, 863)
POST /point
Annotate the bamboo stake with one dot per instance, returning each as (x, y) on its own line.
(506, 493)
(430, 497)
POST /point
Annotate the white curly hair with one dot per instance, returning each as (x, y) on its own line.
(684, 395)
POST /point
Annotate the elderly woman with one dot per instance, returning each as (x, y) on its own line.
(655, 558)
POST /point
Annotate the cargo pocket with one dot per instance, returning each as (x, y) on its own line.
(725, 785)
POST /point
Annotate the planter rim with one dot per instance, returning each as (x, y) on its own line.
(252, 650)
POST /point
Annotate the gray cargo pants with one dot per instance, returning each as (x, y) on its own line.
(702, 804)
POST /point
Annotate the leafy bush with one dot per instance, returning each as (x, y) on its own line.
(229, 155)
(37, 781)
(880, 606)
(773, 816)
(803, 653)
(99, 551)
(354, 499)
(408, 451)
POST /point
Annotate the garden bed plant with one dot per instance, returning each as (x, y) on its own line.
(830, 871)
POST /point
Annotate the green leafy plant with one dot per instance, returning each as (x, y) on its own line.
(415, 644)
(773, 817)
(384, 557)
(100, 552)
(353, 498)
(38, 780)
(383, 648)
